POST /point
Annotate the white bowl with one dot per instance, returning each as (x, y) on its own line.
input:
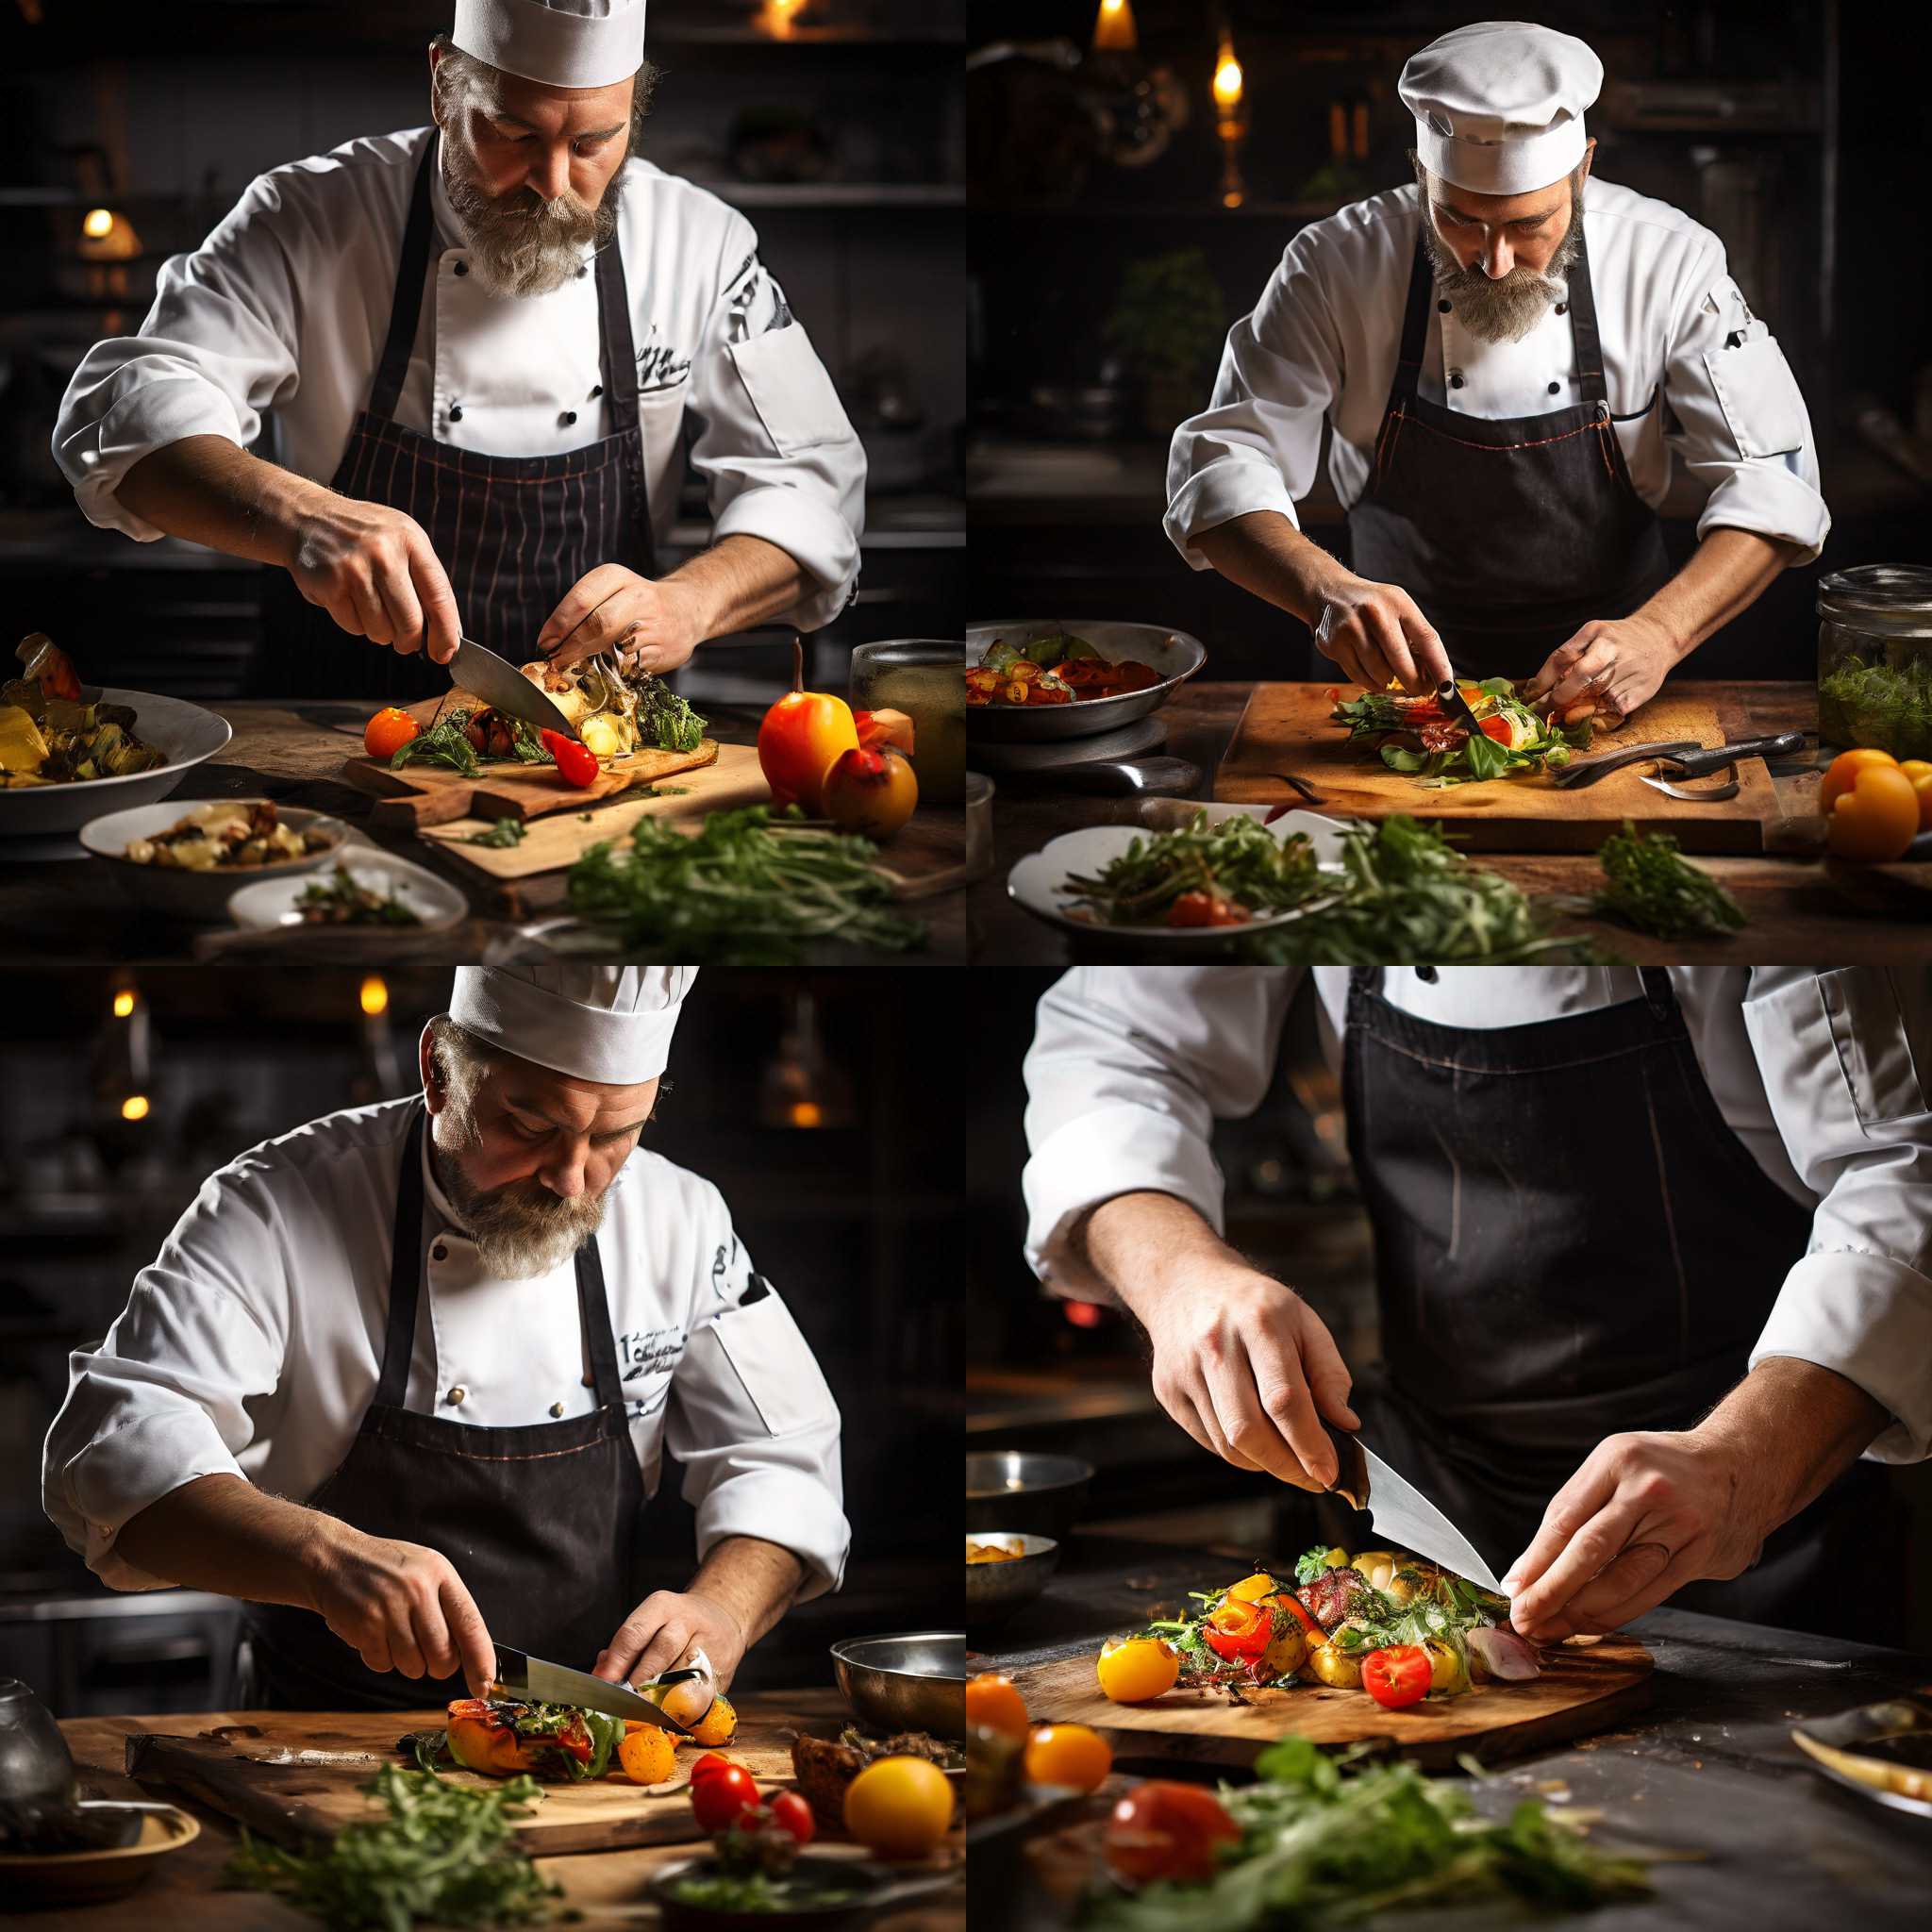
(199, 895)
(1039, 882)
(271, 903)
(184, 734)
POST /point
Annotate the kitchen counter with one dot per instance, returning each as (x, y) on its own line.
(1707, 1773)
(186, 1884)
(67, 910)
(1797, 917)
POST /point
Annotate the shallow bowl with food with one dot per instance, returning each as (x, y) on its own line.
(1171, 653)
(181, 894)
(273, 903)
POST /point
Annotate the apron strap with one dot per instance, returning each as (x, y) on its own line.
(405, 1270)
(1415, 318)
(619, 347)
(406, 311)
(593, 1315)
(1583, 330)
(1659, 993)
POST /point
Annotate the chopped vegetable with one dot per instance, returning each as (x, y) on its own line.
(445, 742)
(1201, 875)
(1421, 737)
(1648, 885)
(343, 900)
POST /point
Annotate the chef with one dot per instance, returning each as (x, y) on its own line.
(1653, 1258)
(1509, 352)
(403, 1379)
(480, 350)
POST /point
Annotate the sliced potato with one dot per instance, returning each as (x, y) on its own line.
(1336, 1667)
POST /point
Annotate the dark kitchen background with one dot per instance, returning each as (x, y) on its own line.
(1104, 266)
(836, 125)
(823, 1106)
(1070, 1379)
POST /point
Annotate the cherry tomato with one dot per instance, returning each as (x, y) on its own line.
(1398, 1675)
(1069, 1755)
(577, 764)
(711, 1763)
(991, 1700)
(720, 1799)
(1238, 1632)
(791, 1811)
(1204, 909)
(388, 732)
(1841, 774)
(1162, 1829)
(1136, 1668)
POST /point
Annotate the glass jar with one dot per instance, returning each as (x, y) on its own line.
(921, 678)
(1874, 659)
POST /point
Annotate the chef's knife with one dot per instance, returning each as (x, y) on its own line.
(499, 683)
(1687, 761)
(523, 1676)
(1449, 695)
(1401, 1513)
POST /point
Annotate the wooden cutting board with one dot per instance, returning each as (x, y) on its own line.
(1580, 1690)
(297, 1775)
(1286, 727)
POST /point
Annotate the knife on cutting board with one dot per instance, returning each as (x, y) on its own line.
(1401, 1513)
(523, 1676)
(499, 683)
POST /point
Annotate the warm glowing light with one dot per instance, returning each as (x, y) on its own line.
(775, 17)
(806, 1113)
(1227, 78)
(123, 1004)
(98, 222)
(134, 1107)
(1083, 1314)
(375, 995)
(1113, 28)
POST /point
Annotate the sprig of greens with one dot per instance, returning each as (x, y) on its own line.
(442, 1852)
(1650, 886)
(503, 834)
(441, 742)
(1238, 859)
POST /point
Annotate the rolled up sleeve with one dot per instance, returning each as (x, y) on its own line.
(1128, 1070)
(1744, 429)
(1256, 445)
(163, 1399)
(777, 452)
(754, 1427)
(1845, 1054)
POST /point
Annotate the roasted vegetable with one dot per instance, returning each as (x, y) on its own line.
(502, 1737)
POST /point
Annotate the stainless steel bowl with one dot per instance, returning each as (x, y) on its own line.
(994, 1591)
(1173, 652)
(1018, 1488)
(913, 1681)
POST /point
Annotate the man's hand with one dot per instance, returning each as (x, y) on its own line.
(662, 1632)
(1604, 672)
(402, 1608)
(653, 624)
(373, 570)
(1375, 632)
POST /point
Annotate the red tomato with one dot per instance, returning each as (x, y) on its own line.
(576, 763)
(1397, 1675)
(722, 1797)
(791, 1811)
(711, 1763)
(1238, 1632)
(1162, 1829)
(1204, 908)
(1497, 728)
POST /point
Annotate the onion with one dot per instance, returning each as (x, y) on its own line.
(1504, 1654)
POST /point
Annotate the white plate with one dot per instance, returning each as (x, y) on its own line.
(271, 903)
(1039, 882)
(200, 895)
(184, 734)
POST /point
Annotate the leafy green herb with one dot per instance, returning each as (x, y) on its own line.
(441, 742)
(1312, 1563)
(1438, 751)
(1238, 859)
(664, 719)
(442, 1852)
(503, 834)
(758, 1891)
(1883, 706)
(738, 891)
(1648, 885)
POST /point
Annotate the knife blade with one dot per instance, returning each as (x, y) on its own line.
(546, 1683)
(1449, 695)
(1401, 1512)
(499, 683)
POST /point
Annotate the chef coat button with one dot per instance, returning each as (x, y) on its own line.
(1456, 382)
(1563, 308)
(1443, 306)
(557, 1408)
(1555, 388)
(462, 268)
(596, 388)
(457, 1394)
(455, 412)
(439, 1253)
(570, 415)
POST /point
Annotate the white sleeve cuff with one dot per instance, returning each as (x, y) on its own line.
(782, 1507)
(1869, 1318)
(96, 453)
(811, 531)
(1230, 486)
(1139, 1150)
(1768, 501)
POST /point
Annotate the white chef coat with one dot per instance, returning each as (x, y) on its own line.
(1324, 338)
(253, 1343)
(285, 309)
(1821, 1075)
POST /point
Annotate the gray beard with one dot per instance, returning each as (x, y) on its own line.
(1506, 311)
(521, 244)
(520, 1230)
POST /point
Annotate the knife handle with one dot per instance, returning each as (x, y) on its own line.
(1351, 1470)
(1583, 771)
(1699, 764)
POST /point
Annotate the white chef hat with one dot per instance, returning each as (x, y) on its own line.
(612, 1024)
(559, 42)
(1499, 105)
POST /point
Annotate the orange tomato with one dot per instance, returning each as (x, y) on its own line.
(802, 735)
(991, 1700)
(1842, 773)
(647, 1753)
(1069, 1755)
(1132, 1669)
(717, 1726)
(1919, 772)
(871, 791)
(1877, 818)
(388, 732)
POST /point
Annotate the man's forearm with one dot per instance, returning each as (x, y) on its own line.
(1797, 1427)
(1138, 1243)
(1267, 556)
(755, 1580)
(739, 581)
(209, 491)
(1726, 574)
(221, 1533)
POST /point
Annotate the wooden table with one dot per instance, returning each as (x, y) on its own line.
(185, 1887)
(1797, 916)
(1706, 1772)
(67, 910)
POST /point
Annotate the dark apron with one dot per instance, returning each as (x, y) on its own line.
(1510, 532)
(1570, 1243)
(541, 1522)
(514, 533)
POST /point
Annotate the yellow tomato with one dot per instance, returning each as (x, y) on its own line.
(899, 1807)
(1842, 773)
(718, 1725)
(1133, 1669)
(1070, 1755)
(991, 1700)
(1877, 818)
(647, 1753)
(1919, 772)
(1251, 1589)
